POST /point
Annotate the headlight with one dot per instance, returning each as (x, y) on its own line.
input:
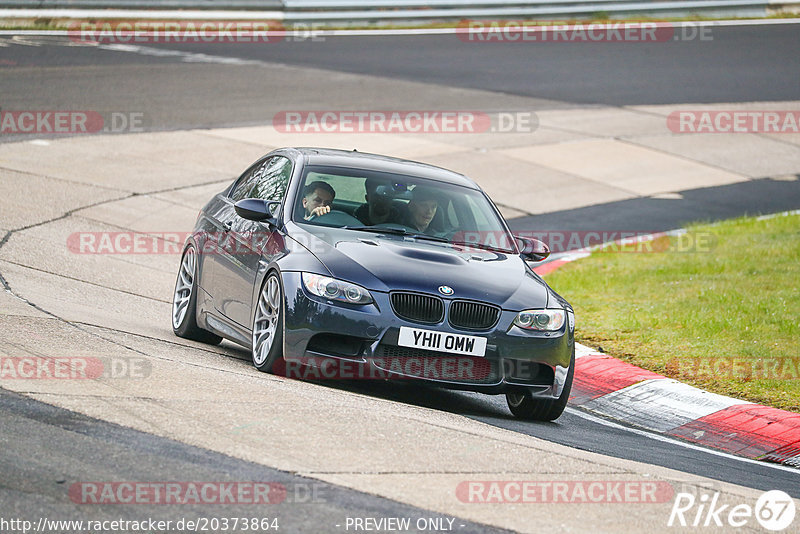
(331, 288)
(545, 320)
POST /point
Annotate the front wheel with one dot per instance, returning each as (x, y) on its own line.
(524, 406)
(268, 326)
(184, 301)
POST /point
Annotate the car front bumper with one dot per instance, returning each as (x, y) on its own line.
(361, 341)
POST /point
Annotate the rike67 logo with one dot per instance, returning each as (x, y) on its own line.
(774, 510)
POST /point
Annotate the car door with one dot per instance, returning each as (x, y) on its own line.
(242, 242)
(217, 215)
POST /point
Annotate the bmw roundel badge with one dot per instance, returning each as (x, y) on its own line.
(446, 290)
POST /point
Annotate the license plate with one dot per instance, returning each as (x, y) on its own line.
(419, 338)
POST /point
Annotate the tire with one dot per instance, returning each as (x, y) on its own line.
(184, 301)
(267, 350)
(524, 406)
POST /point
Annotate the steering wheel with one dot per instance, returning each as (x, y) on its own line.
(335, 218)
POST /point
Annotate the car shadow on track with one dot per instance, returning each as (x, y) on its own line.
(487, 408)
(415, 394)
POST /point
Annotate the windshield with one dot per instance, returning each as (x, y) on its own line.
(365, 200)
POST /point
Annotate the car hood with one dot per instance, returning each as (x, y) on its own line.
(384, 262)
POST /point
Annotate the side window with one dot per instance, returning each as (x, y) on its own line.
(267, 181)
(245, 183)
(272, 180)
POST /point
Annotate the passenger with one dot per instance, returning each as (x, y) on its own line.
(379, 207)
(422, 208)
(317, 199)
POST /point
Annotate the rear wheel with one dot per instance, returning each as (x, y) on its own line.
(524, 406)
(268, 326)
(184, 301)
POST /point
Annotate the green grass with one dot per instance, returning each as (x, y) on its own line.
(677, 312)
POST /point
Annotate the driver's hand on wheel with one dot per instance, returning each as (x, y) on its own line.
(319, 210)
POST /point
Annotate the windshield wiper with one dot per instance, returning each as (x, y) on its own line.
(389, 230)
(482, 246)
(397, 231)
(430, 237)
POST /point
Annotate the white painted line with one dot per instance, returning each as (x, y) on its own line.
(794, 461)
(188, 57)
(781, 214)
(673, 441)
(583, 350)
(315, 29)
(660, 404)
(577, 254)
(569, 256)
(446, 31)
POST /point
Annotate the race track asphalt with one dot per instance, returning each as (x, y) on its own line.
(738, 65)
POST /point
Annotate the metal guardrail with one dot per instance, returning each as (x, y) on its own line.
(143, 4)
(410, 4)
(364, 11)
(313, 11)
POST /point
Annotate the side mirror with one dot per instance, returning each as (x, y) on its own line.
(255, 209)
(532, 249)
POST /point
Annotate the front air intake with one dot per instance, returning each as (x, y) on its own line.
(418, 308)
(473, 315)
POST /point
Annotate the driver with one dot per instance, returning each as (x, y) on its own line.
(379, 208)
(422, 209)
(317, 199)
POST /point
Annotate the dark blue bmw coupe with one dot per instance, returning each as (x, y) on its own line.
(332, 264)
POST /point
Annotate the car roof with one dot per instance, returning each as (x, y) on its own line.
(376, 162)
